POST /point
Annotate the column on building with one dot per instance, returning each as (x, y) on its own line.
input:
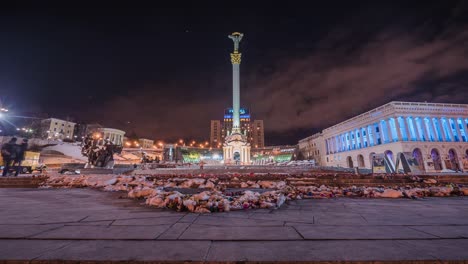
(404, 128)
(365, 137)
(334, 144)
(350, 140)
(381, 133)
(389, 130)
(337, 144)
(415, 128)
(425, 129)
(398, 129)
(353, 139)
(361, 141)
(440, 130)
(464, 124)
(372, 138)
(356, 140)
(457, 129)
(448, 127)
(411, 135)
(355, 145)
(343, 141)
(331, 145)
(422, 134)
(434, 130)
(462, 132)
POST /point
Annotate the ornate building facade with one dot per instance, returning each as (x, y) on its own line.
(434, 134)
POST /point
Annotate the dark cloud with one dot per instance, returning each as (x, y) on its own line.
(165, 73)
(331, 84)
(334, 82)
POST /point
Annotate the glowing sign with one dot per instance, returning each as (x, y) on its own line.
(243, 113)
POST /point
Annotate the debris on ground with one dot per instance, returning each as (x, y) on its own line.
(221, 193)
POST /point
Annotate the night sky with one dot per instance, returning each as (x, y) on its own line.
(164, 72)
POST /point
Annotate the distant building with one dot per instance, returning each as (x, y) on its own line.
(145, 143)
(216, 134)
(54, 128)
(254, 131)
(98, 131)
(312, 148)
(257, 134)
(82, 130)
(116, 136)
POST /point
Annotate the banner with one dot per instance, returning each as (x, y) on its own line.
(378, 163)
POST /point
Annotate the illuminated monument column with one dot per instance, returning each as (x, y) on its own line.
(236, 149)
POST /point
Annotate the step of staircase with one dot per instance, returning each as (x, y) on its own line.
(22, 182)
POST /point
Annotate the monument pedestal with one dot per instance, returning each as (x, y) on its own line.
(236, 150)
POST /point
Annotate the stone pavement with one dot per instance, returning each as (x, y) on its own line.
(88, 225)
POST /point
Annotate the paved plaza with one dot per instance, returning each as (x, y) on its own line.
(90, 225)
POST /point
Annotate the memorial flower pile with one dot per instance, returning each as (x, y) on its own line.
(222, 193)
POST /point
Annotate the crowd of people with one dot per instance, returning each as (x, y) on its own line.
(13, 154)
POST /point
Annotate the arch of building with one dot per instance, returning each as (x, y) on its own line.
(360, 160)
(453, 158)
(349, 161)
(436, 159)
(422, 152)
(417, 154)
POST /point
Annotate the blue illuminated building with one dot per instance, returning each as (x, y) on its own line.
(436, 134)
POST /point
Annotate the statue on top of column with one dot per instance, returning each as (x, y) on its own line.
(236, 38)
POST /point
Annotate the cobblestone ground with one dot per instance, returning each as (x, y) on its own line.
(90, 225)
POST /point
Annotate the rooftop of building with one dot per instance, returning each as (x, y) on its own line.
(58, 119)
(314, 136)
